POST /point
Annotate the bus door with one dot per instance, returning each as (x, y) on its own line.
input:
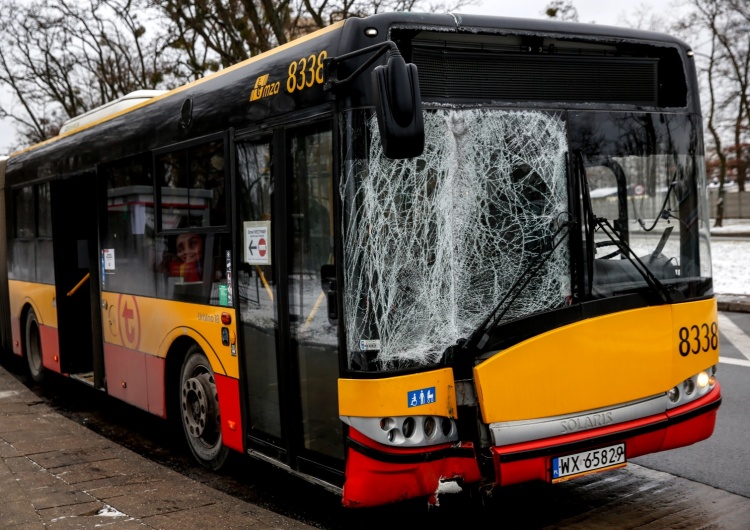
(74, 222)
(289, 344)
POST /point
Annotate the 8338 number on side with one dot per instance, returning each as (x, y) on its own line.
(579, 464)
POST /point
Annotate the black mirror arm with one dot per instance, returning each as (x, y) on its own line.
(330, 64)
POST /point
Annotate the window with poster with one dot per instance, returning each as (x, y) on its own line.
(192, 247)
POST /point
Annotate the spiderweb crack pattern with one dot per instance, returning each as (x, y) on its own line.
(433, 243)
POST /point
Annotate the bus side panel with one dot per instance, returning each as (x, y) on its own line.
(598, 362)
(127, 378)
(15, 331)
(41, 298)
(138, 335)
(155, 378)
(231, 419)
(50, 348)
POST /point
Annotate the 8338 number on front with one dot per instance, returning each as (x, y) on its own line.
(579, 464)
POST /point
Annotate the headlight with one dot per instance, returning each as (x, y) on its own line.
(406, 431)
(692, 388)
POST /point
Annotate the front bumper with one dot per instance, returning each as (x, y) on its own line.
(377, 474)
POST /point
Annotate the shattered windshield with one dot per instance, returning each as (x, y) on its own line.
(432, 243)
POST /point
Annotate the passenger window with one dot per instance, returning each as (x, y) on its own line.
(192, 186)
(128, 229)
(44, 220)
(191, 261)
(25, 208)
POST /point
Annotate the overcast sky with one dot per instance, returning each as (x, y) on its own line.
(600, 11)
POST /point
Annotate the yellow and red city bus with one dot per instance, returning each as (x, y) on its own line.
(403, 253)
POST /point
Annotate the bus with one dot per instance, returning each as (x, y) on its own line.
(403, 255)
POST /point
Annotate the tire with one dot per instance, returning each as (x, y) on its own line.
(199, 410)
(33, 347)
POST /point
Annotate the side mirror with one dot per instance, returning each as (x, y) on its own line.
(398, 105)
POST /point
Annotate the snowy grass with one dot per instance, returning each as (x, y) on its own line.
(730, 257)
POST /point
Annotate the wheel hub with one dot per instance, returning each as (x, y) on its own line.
(199, 405)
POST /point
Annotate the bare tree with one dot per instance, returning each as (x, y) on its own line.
(561, 10)
(65, 57)
(61, 58)
(727, 70)
(226, 32)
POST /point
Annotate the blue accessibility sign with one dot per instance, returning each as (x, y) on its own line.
(423, 396)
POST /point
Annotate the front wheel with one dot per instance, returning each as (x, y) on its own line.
(34, 348)
(199, 410)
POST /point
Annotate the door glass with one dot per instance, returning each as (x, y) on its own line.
(257, 287)
(314, 338)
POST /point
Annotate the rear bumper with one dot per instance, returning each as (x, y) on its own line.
(377, 474)
(678, 427)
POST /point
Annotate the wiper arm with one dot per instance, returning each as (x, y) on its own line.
(663, 212)
(626, 251)
(480, 336)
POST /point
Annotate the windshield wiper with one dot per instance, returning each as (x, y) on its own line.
(481, 335)
(664, 213)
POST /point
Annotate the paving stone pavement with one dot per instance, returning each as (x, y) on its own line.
(57, 474)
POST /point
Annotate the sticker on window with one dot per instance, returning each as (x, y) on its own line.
(369, 345)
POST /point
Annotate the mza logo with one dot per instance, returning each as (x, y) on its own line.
(263, 89)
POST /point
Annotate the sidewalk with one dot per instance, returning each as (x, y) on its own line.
(739, 303)
(56, 474)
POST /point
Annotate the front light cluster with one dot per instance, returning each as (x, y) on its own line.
(406, 431)
(692, 388)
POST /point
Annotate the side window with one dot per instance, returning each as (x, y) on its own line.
(45, 269)
(25, 212)
(22, 259)
(128, 229)
(44, 216)
(191, 257)
(192, 187)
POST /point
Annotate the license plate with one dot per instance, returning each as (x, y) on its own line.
(579, 464)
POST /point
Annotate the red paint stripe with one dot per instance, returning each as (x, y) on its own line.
(370, 482)
(50, 342)
(15, 332)
(135, 378)
(672, 435)
(229, 405)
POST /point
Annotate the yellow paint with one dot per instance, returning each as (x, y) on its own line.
(376, 398)
(151, 326)
(40, 296)
(594, 363)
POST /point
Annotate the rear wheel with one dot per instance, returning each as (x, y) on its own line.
(199, 410)
(34, 348)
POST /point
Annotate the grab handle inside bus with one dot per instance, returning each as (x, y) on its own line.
(79, 284)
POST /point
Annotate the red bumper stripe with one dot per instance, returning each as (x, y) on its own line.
(377, 474)
(677, 428)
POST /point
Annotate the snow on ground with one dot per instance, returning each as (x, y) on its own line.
(730, 257)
